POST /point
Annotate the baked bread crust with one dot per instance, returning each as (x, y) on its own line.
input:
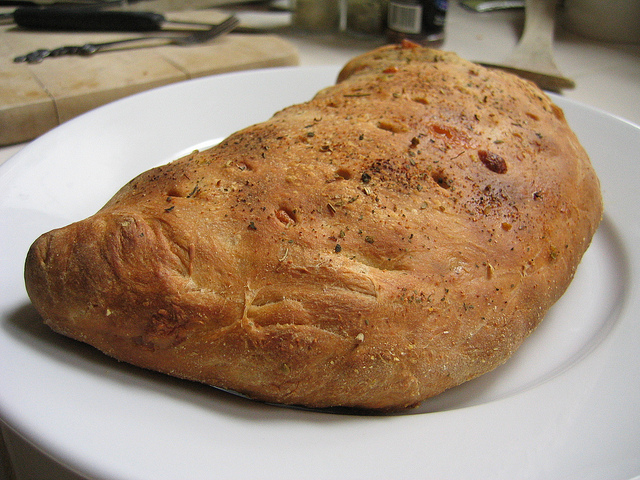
(397, 235)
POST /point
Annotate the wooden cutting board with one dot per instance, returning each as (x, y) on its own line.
(37, 97)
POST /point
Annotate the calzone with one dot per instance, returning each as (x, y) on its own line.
(397, 235)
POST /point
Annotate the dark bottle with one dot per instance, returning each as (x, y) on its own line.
(421, 21)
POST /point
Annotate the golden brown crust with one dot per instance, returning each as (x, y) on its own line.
(399, 234)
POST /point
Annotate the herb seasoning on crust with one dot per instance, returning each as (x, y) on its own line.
(399, 234)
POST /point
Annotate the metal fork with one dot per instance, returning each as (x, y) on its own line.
(199, 36)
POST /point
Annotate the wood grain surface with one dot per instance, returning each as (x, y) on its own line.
(37, 97)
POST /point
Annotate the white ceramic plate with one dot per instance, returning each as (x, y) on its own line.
(567, 405)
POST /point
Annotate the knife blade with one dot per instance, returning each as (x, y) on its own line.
(91, 19)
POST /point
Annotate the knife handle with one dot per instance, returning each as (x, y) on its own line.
(86, 19)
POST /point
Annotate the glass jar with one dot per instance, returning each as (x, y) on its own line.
(421, 21)
(364, 17)
(315, 15)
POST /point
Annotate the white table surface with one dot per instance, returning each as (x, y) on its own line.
(607, 77)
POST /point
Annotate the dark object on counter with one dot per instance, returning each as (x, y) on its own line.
(421, 21)
(90, 19)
